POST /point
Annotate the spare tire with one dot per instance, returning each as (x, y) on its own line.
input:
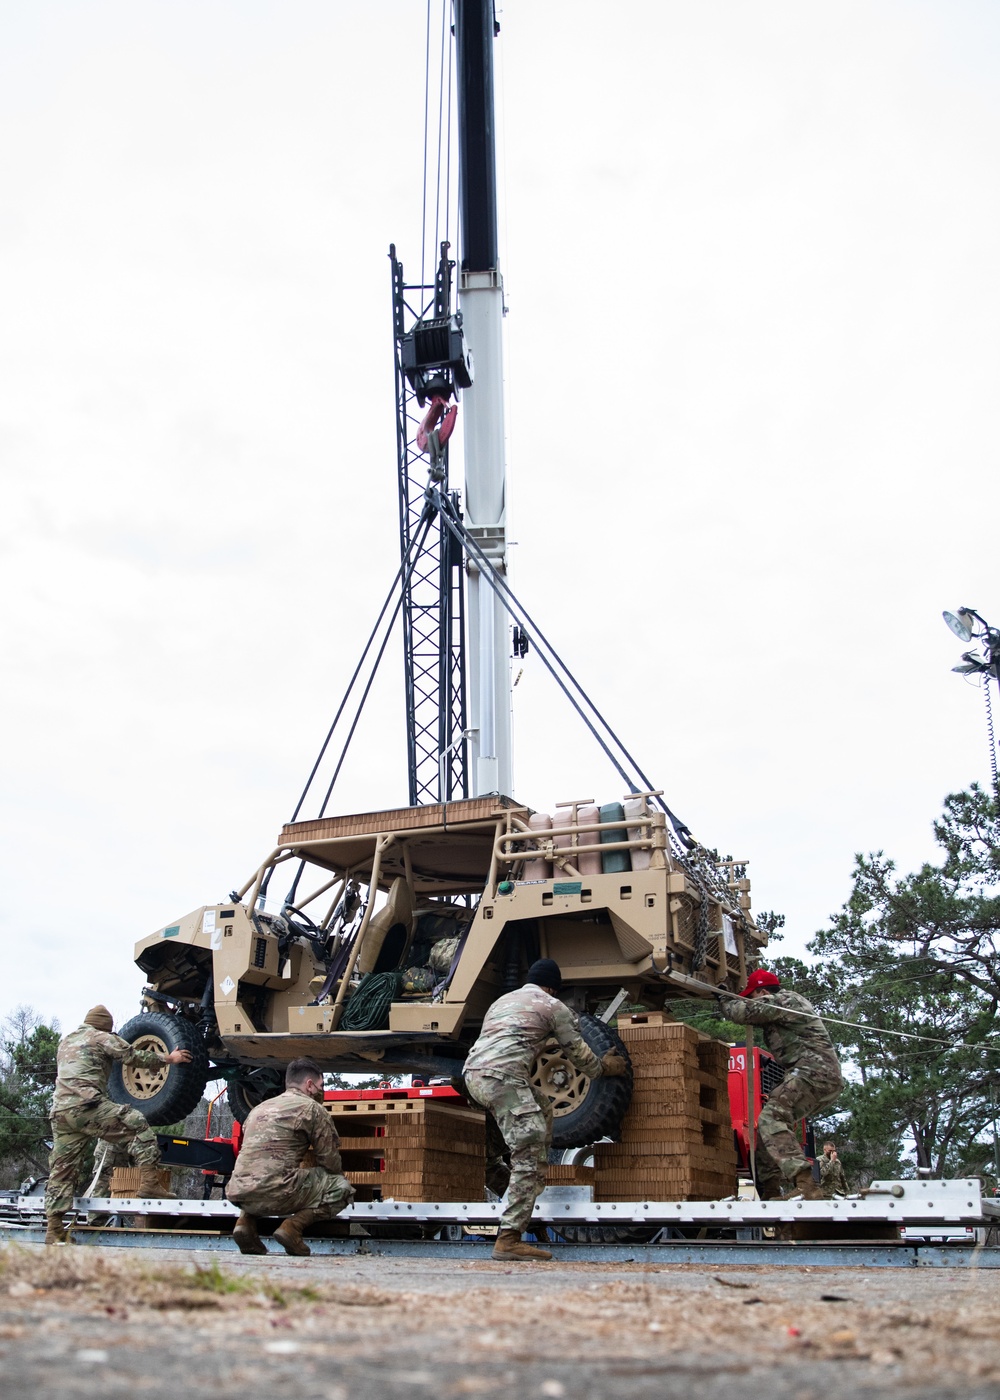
(168, 1093)
(251, 1087)
(583, 1109)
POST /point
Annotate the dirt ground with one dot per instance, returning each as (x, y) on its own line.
(92, 1321)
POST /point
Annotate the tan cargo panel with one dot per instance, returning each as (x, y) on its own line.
(450, 847)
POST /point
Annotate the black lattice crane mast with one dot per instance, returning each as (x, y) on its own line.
(431, 367)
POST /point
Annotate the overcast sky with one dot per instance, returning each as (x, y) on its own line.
(750, 254)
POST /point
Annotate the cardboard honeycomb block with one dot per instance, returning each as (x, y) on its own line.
(568, 1175)
(125, 1181)
(628, 1154)
(669, 1128)
(653, 1025)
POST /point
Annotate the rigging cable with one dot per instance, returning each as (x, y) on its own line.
(521, 616)
(447, 183)
(877, 1030)
(404, 565)
(440, 142)
(402, 577)
(427, 98)
(426, 521)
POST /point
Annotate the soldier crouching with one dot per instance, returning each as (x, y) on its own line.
(269, 1178)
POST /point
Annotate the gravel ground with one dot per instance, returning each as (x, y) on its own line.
(88, 1322)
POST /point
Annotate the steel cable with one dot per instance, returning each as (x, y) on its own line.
(404, 564)
(521, 616)
(419, 541)
(402, 578)
(427, 98)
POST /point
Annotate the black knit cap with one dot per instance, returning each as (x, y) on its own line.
(545, 973)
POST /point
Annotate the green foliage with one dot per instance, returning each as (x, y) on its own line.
(946, 914)
(918, 954)
(27, 1074)
(908, 956)
(704, 1016)
(361, 1081)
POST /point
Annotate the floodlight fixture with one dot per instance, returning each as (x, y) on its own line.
(960, 624)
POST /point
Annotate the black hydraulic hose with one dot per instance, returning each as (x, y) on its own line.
(517, 610)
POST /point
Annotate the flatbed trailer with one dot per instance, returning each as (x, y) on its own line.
(892, 1224)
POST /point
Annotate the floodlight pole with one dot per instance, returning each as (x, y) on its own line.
(963, 625)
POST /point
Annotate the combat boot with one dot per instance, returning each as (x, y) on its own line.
(806, 1187)
(509, 1245)
(149, 1185)
(289, 1232)
(56, 1232)
(246, 1236)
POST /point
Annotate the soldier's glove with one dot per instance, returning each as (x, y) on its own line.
(613, 1065)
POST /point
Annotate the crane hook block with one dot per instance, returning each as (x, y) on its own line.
(438, 413)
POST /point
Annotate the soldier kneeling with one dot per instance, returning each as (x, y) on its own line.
(269, 1178)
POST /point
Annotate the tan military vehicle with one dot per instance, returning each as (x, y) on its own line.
(411, 924)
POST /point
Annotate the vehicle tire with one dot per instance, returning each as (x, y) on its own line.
(168, 1093)
(583, 1109)
(251, 1088)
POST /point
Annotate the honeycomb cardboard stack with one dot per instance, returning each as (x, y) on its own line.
(564, 1174)
(677, 1138)
(125, 1181)
(411, 1149)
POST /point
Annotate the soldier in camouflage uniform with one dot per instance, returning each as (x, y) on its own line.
(799, 1041)
(831, 1172)
(270, 1179)
(497, 1075)
(82, 1111)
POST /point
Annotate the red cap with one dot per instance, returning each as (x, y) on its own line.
(760, 978)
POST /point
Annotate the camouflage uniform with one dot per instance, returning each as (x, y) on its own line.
(269, 1178)
(832, 1180)
(799, 1041)
(497, 1075)
(82, 1111)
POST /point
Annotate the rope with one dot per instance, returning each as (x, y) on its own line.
(368, 1008)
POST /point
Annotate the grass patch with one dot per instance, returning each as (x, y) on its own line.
(115, 1278)
(213, 1279)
